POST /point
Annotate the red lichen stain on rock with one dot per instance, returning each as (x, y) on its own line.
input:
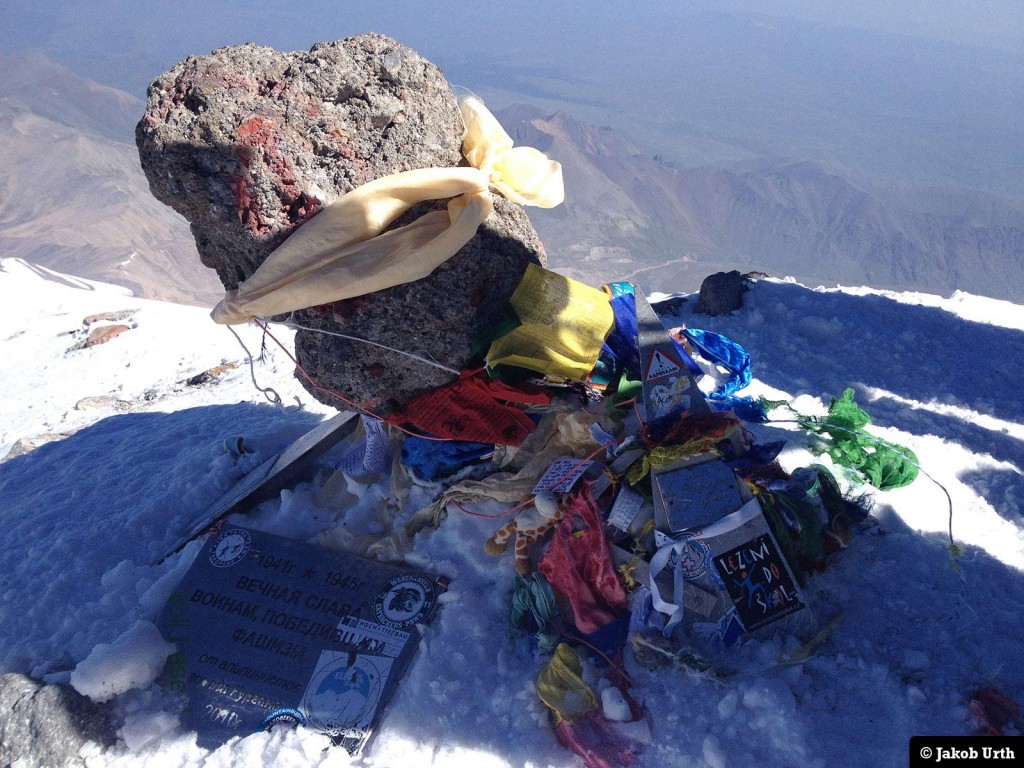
(254, 127)
(259, 153)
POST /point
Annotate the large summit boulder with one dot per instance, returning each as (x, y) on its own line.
(247, 143)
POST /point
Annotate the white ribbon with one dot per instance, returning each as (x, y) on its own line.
(661, 560)
(670, 551)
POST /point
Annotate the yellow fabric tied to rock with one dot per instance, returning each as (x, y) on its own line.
(564, 324)
(343, 251)
(561, 688)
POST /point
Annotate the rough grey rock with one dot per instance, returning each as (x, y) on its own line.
(28, 444)
(436, 318)
(45, 726)
(721, 293)
(102, 401)
(247, 143)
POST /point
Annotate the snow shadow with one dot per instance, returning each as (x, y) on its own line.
(926, 633)
(89, 515)
(1003, 489)
(916, 352)
(920, 369)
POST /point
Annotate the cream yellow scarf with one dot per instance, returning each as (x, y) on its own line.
(343, 251)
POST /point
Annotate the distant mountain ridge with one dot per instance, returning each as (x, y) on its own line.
(55, 93)
(629, 215)
(74, 198)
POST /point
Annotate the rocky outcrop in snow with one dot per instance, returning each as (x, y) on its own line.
(47, 725)
(248, 143)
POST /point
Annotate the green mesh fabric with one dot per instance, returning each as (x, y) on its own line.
(883, 464)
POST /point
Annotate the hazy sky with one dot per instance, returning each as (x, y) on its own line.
(987, 23)
(170, 29)
(931, 90)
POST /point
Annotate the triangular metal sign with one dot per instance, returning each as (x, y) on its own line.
(660, 366)
(668, 384)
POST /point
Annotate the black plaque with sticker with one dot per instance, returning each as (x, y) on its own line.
(759, 582)
(271, 630)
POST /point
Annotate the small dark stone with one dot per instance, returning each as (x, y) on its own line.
(46, 725)
(721, 293)
(247, 143)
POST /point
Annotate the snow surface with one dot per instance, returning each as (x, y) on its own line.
(86, 516)
(132, 661)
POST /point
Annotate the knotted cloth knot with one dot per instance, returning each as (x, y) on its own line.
(344, 251)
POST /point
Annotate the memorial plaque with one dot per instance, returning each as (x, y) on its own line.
(694, 493)
(759, 582)
(730, 578)
(271, 630)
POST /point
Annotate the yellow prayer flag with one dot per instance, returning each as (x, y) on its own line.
(564, 324)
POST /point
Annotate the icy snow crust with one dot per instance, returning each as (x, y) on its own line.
(85, 517)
